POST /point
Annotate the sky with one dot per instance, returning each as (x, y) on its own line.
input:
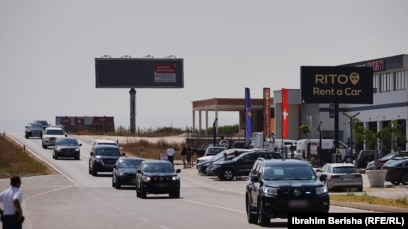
(48, 50)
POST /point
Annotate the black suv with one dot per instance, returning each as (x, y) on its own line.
(278, 187)
(240, 165)
(33, 130)
(103, 158)
(157, 177)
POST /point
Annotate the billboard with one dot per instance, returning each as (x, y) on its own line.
(353, 85)
(139, 73)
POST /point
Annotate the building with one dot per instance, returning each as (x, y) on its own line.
(390, 102)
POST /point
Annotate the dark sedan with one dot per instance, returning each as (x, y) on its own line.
(33, 130)
(66, 147)
(124, 171)
(397, 172)
(157, 177)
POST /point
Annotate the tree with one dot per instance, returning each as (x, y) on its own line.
(305, 129)
(389, 134)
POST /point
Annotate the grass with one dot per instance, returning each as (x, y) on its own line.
(401, 202)
(15, 160)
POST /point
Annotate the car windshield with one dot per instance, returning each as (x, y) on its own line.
(158, 168)
(67, 142)
(345, 170)
(213, 151)
(36, 125)
(55, 132)
(108, 152)
(130, 164)
(289, 173)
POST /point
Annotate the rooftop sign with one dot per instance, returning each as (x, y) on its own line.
(353, 85)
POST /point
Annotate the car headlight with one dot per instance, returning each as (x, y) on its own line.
(321, 190)
(77, 150)
(174, 178)
(269, 191)
(122, 174)
(146, 178)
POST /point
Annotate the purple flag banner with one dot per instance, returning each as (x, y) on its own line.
(248, 110)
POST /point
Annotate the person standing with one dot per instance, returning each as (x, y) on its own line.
(170, 154)
(12, 213)
(184, 155)
(189, 155)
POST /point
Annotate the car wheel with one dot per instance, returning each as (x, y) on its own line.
(89, 170)
(263, 219)
(395, 182)
(174, 194)
(113, 182)
(117, 185)
(252, 218)
(360, 189)
(44, 146)
(142, 193)
(26, 136)
(405, 179)
(94, 172)
(137, 192)
(228, 174)
(77, 158)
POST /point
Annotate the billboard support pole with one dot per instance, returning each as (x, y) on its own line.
(132, 93)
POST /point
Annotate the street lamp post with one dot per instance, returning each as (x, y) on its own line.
(320, 143)
(350, 117)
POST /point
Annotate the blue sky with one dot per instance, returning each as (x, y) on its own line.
(48, 50)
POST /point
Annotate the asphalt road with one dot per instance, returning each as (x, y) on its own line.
(75, 199)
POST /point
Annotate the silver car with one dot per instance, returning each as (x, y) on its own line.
(51, 134)
(342, 176)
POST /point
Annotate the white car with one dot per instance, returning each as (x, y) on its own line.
(209, 153)
(50, 134)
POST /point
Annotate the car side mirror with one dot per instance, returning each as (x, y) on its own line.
(178, 170)
(138, 170)
(91, 153)
(253, 178)
(79, 144)
(123, 154)
(323, 177)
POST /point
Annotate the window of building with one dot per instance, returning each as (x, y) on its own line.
(400, 80)
(386, 82)
(375, 83)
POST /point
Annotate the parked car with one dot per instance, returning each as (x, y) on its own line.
(103, 158)
(67, 147)
(241, 165)
(50, 135)
(277, 187)
(44, 123)
(392, 160)
(381, 161)
(363, 157)
(231, 153)
(157, 177)
(124, 171)
(342, 176)
(397, 172)
(33, 130)
(210, 152)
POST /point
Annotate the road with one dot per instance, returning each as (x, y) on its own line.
(75, 199)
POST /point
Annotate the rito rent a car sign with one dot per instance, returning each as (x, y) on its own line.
(353, 85)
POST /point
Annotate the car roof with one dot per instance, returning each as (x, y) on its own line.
(105, 146)
(156, 162)
(104, 141)
(54, 128)
(340, 164)
(285, 161)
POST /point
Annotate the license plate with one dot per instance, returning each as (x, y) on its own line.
(347, 179)
(298, 204)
